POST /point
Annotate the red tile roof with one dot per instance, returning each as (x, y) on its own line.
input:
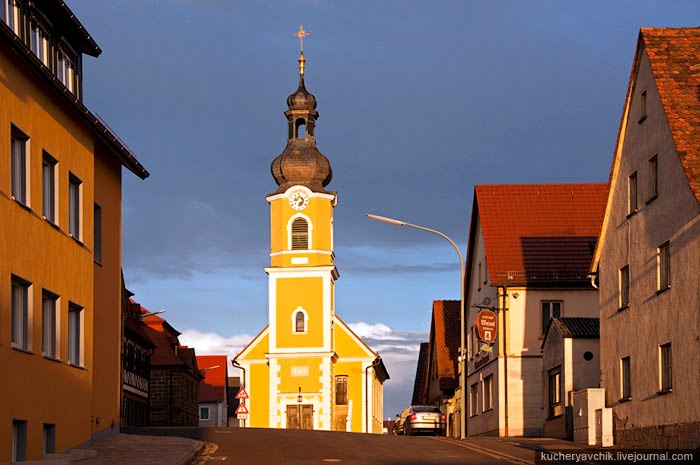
(444, 341)
(165, 339)
(419, 383)
(215, 370)
(674, 54)
(539, 233)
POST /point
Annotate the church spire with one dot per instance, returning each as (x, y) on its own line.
(301, 163)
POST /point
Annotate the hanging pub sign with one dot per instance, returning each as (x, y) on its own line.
(486, 324)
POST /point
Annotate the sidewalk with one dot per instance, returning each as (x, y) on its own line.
(134, 449)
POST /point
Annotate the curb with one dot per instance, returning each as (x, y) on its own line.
(192, 454)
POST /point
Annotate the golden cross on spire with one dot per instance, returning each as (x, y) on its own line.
(301, 33)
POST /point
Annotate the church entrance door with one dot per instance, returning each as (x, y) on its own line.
(300, 416)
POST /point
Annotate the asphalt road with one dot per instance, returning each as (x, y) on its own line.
(258, 446)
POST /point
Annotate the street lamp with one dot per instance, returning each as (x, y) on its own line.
(462, 351)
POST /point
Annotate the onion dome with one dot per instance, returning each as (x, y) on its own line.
(301, 163)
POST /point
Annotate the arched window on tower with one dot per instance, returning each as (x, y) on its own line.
(300, 128)
(299, 322)
(300, 234)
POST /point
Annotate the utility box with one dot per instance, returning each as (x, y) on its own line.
(603, 427)
(585, 404)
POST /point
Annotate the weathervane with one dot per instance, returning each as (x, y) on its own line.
(301, 33)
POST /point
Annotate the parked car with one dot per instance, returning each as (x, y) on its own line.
(421, 419)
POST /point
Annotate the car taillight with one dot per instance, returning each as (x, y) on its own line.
(412, 417)
(442, 417)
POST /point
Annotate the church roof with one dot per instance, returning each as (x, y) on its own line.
(674, 55)
(538, 233)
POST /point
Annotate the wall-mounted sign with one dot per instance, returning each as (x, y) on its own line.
(486, 324)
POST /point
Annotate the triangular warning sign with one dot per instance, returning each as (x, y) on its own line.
(242, 409)
(242, 394)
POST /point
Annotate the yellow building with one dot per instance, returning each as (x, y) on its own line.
(307, 369)
(60, 239)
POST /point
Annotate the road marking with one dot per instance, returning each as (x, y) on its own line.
(331, 460)
(489, 452)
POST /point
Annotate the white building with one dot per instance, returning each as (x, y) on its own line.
(529, 252)
(648, 256)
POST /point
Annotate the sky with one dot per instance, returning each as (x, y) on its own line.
(418, 101)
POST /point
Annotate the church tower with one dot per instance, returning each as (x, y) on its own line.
(307, 369)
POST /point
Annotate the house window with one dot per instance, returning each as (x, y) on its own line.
(19, 441)
(300, 234)
(554, 392)
(488, 393)
(653, 177)
(10, 13)
(97, 226)
(643, 106)
(341, 390)
(65, 69)
(48, 184)
(74, 203)
(75, 334)
(20, 313)
(49, 438)
(550, 310)
(48, 324)
(625, 379)
(479, 281)
(632, 193)
(204, 414)
(624, 286)
(18, 148)
(299, 322)
(666, 367)
(40, 42)
(663, 266)
(473, 399)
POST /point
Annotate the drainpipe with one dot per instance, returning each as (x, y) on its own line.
(504, 308)
(235, 363)
(376, 362)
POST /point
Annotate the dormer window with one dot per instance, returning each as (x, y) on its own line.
(40, 41)
(65, 69)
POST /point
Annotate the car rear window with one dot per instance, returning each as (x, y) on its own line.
(425, 408)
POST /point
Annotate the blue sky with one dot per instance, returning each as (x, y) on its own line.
(418, 101)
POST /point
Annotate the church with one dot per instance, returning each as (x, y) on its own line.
(307, 369)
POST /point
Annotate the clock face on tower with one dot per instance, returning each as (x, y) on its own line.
(298, 200)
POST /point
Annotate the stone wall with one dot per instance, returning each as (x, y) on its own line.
(678, 436)
(182, 408)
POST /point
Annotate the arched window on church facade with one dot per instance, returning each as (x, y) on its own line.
(299, 322)
(300, 234)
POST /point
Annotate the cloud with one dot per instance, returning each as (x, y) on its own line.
(214, 344)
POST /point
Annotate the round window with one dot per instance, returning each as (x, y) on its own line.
(588, 356)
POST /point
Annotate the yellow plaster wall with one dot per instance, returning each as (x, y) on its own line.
(320, 214)
(43, 390)
(259, 392)
(258, 349)
(309, 383)
(346, 346)
(354, 372)
(291, 294)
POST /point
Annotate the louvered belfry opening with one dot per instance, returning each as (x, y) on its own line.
(300, 234)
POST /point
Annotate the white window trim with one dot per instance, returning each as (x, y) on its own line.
(56, 327)
(81, 332)
(294, 321)
(208, 410)
(17, 133)
(79, 219)
(23, 344)
(309, 224)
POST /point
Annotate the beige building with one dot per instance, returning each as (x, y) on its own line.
(570, 363)
(529, 251)
(648, 256)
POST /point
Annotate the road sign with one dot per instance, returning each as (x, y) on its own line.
(486, 324)
(242, 409)
(242, 416)
(242, 394)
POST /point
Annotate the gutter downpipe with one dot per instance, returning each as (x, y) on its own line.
(235, 363)
(504, 308)
(375, 363)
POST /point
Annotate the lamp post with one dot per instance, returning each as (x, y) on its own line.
(462, 351)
